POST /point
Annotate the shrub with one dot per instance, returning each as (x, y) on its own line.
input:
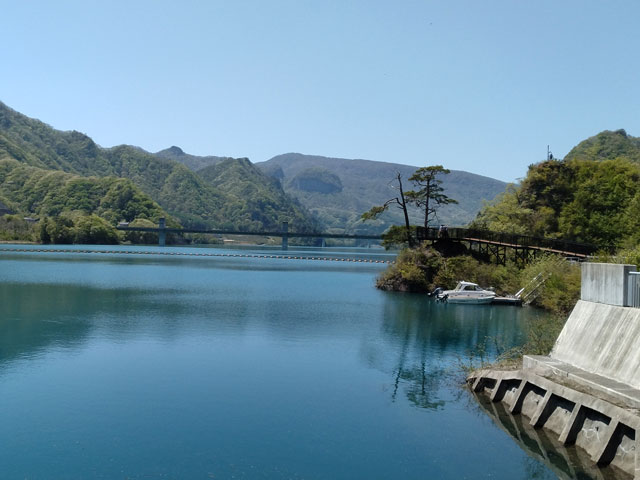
(92, 229)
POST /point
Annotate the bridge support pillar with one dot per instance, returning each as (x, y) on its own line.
(285, 235)
(162, 234)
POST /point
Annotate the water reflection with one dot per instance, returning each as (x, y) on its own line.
(567, 462)
(245, 367)
(431, 339)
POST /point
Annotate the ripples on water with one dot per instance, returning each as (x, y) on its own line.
(139, 366)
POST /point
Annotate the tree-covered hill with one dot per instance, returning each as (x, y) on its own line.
(265, 203)
(592, 196)
(607, 145)
(339, 190)
(44, 192)
(184, 194)
(193, 162)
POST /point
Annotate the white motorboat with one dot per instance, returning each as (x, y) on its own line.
(467, 292)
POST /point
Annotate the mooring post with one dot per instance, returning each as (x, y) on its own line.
(285, 235)
(162, 234)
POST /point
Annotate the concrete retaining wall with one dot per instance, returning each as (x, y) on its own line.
(602, 339)
(588, 391)
(606, 283)
(606, 434)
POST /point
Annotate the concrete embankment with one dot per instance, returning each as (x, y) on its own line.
(587, 391)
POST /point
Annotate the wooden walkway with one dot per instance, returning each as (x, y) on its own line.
(503, 246)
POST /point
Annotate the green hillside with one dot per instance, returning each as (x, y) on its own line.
(592, 196)
(184, 194)
(49, 193)
(338, 190)
(193, 162)
(607, 145)
(265, 202)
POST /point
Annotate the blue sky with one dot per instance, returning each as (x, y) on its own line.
(481, 86)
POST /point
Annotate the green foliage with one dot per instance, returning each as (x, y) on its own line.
(15, 228)
(561, 289)
(628, 256)
(600, 206)
(587, 201)
(254, 200)
(123, 201)
(592, 196)
(92, 229)
(396, 237)
(41, 192)
(429, 196)
(607, 145)
(144, 238)
(423, 269)
(193, 162)
(77, 228)
(541, 334)
(57, 229)
(182, 193)
(504, 279)
(374, 212)
(413, 270)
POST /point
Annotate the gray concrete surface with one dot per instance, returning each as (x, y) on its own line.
(606, 283)
(602, 339)
(587, 391)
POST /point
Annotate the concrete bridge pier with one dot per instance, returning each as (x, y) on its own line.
(162, 234)
(285, 235)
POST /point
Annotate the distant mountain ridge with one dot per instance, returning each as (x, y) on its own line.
(196, 202)
(224, 192)
(193, 162)
(339, 190)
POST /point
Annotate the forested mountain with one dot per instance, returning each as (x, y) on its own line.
(184, 194)
(216, 192)
(193, 162)
(339, 190)
(46, 192)
(607, 145)
(266, 202)
(591, 196)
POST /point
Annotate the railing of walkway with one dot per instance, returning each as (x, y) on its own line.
(634, 289)
(523, 241)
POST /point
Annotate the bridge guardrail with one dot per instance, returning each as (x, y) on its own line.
(524, 241)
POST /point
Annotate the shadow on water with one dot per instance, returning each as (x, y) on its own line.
(567, 462)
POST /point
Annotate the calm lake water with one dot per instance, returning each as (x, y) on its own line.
(149, 366)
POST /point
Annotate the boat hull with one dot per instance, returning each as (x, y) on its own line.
(470, 300)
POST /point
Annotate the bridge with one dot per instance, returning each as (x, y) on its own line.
(284, 233)
(484, 242)
(497, 245)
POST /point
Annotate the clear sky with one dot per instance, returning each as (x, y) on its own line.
(478, 85)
